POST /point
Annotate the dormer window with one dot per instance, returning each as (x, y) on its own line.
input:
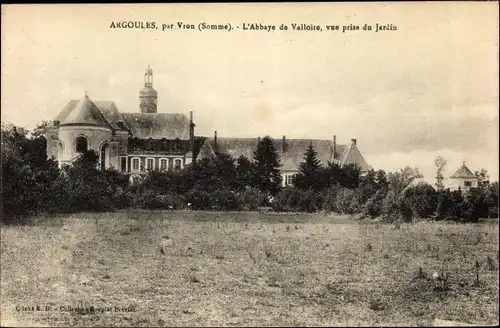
(134, 144)
(121, 125)
(150, 145)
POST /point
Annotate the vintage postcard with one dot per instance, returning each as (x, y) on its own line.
(237, 164)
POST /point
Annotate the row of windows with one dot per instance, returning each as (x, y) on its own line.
(149, 164)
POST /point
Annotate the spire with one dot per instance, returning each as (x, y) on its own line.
(148, 77)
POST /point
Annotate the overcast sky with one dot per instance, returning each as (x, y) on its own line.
(430, 88)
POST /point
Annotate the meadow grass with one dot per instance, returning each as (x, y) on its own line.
(246, 269)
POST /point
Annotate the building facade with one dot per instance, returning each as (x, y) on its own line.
(463, 179)
(147, 140)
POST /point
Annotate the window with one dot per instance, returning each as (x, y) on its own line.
(81, 144)
(163, 164)
(134, 144)
(60, 149)
(289, 179)
(177, 163)
(150, 163)
(104, 152)
(150, 145)
(136, 164)
(467, 183)
(123, 164)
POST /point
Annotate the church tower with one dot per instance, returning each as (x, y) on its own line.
(148, 96)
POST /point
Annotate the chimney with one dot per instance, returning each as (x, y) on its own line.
(353, 141)
(215, 141)
(334, 145)
(284, 144)
(191, 133)
(258, 139)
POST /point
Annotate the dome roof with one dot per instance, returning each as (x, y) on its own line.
(149, 70)
(85, 112)
(148, 91)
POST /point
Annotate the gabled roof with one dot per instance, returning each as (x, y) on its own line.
(463, 173)
(293, 153)
(83, 112)
(206, 151)
(352, 155)
(158, 125)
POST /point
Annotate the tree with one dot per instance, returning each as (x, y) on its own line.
(89, 188)
(212, 174)
(41, 129)
(351, 175)
(244, 172)
(27, 176)
(267, 175)
(482, 178)
(440, 163)
(310, 170)
(367, 186)
(398, 181)
(421, 200)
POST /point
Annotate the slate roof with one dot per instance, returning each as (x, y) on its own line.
(110, 112)
(294, 150)
(83, 112)
(66, 110)
(158, 125)
(463, 172)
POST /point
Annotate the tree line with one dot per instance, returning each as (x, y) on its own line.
(33, 183)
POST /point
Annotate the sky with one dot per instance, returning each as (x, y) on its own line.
(428, 89)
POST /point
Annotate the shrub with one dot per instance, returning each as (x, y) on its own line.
(287, 200)
(391, 207)
(374, 205)
(215, 200)
(419, 201)
(252, 198)
(347, 202)
(152, 200)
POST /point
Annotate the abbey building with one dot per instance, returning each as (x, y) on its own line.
(147, 140)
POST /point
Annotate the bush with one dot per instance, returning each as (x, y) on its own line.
(374, 205)
(153, 201)
(330, 198)
(215, 200)
(285, 200)
(347, 202)
(252, 198)
(310, 201)
(391, 208)
(419, 201)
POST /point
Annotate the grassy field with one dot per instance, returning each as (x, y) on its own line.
(245, 269)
